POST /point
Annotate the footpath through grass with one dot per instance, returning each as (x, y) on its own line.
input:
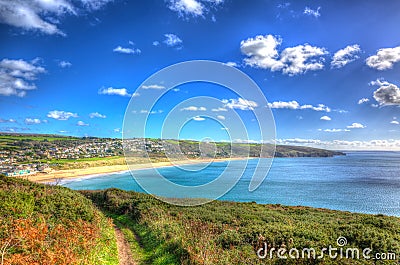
(231, 233)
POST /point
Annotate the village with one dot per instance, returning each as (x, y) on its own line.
(23, 156)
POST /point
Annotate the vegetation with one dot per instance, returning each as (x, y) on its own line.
(42, 224)
(86, 162)
(230, 233)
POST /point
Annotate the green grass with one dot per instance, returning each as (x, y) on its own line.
(12, 138)
(230, 233)
(89, 159)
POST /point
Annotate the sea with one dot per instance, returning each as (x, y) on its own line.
(363, 182)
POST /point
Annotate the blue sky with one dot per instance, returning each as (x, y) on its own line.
(329, 69)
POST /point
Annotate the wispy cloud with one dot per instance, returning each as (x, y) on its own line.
(30, 121)
(120, 49)
(239, 103)
(194, 108)
(219, 109)
(7, 120)
(312, 12)
(296, 106)
(157, 87)
(81, 123)
(198, 118)
(16, 76)
(64, 64)
(194, 8)
(61, 115)
(172, 40)
(362, 101)
(345, 56)
(356, 125)
(123, 92)
(44, 16)
(97, 115)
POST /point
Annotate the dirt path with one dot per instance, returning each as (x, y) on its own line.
(124, 251)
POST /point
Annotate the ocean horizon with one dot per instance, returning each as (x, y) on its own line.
(361, 181)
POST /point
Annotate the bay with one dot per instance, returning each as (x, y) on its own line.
(366, 182)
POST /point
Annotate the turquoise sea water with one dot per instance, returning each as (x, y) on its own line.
(367, 182)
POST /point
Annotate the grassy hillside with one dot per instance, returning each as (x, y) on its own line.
(54, 225)
(42, 224)
(230, 233)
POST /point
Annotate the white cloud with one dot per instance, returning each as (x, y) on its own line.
(95, 4)
(187, 7)
(156, 43)
(239, 103)
(221, 117)
(219, 109)
(345, 56)
(232, 64)
(97, 115)
(143, 111)
(194, 108)
(81, 123)
(363, 100)
(123, 92)
(336, 130)
(7, 120)
(384, 58)
(158, 87)
(61, 115)
(295, 105)
(16, 76)
(311, 12)
(284, 105)
(193, 8)
(356, 125)
(44, 15)
(117, 130)
(302, 58)
(262, 52)
(198, 118)
(172, 40)
(64, 64)
(395, 122)
(387, 93)
(30, 121)
(120, 49)
(325, 118)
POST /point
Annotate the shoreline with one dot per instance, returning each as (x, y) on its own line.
(71, 174)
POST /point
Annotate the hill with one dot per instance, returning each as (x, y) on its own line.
(42, 224)
(231, 233)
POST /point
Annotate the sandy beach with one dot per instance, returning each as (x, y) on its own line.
(57, 175)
